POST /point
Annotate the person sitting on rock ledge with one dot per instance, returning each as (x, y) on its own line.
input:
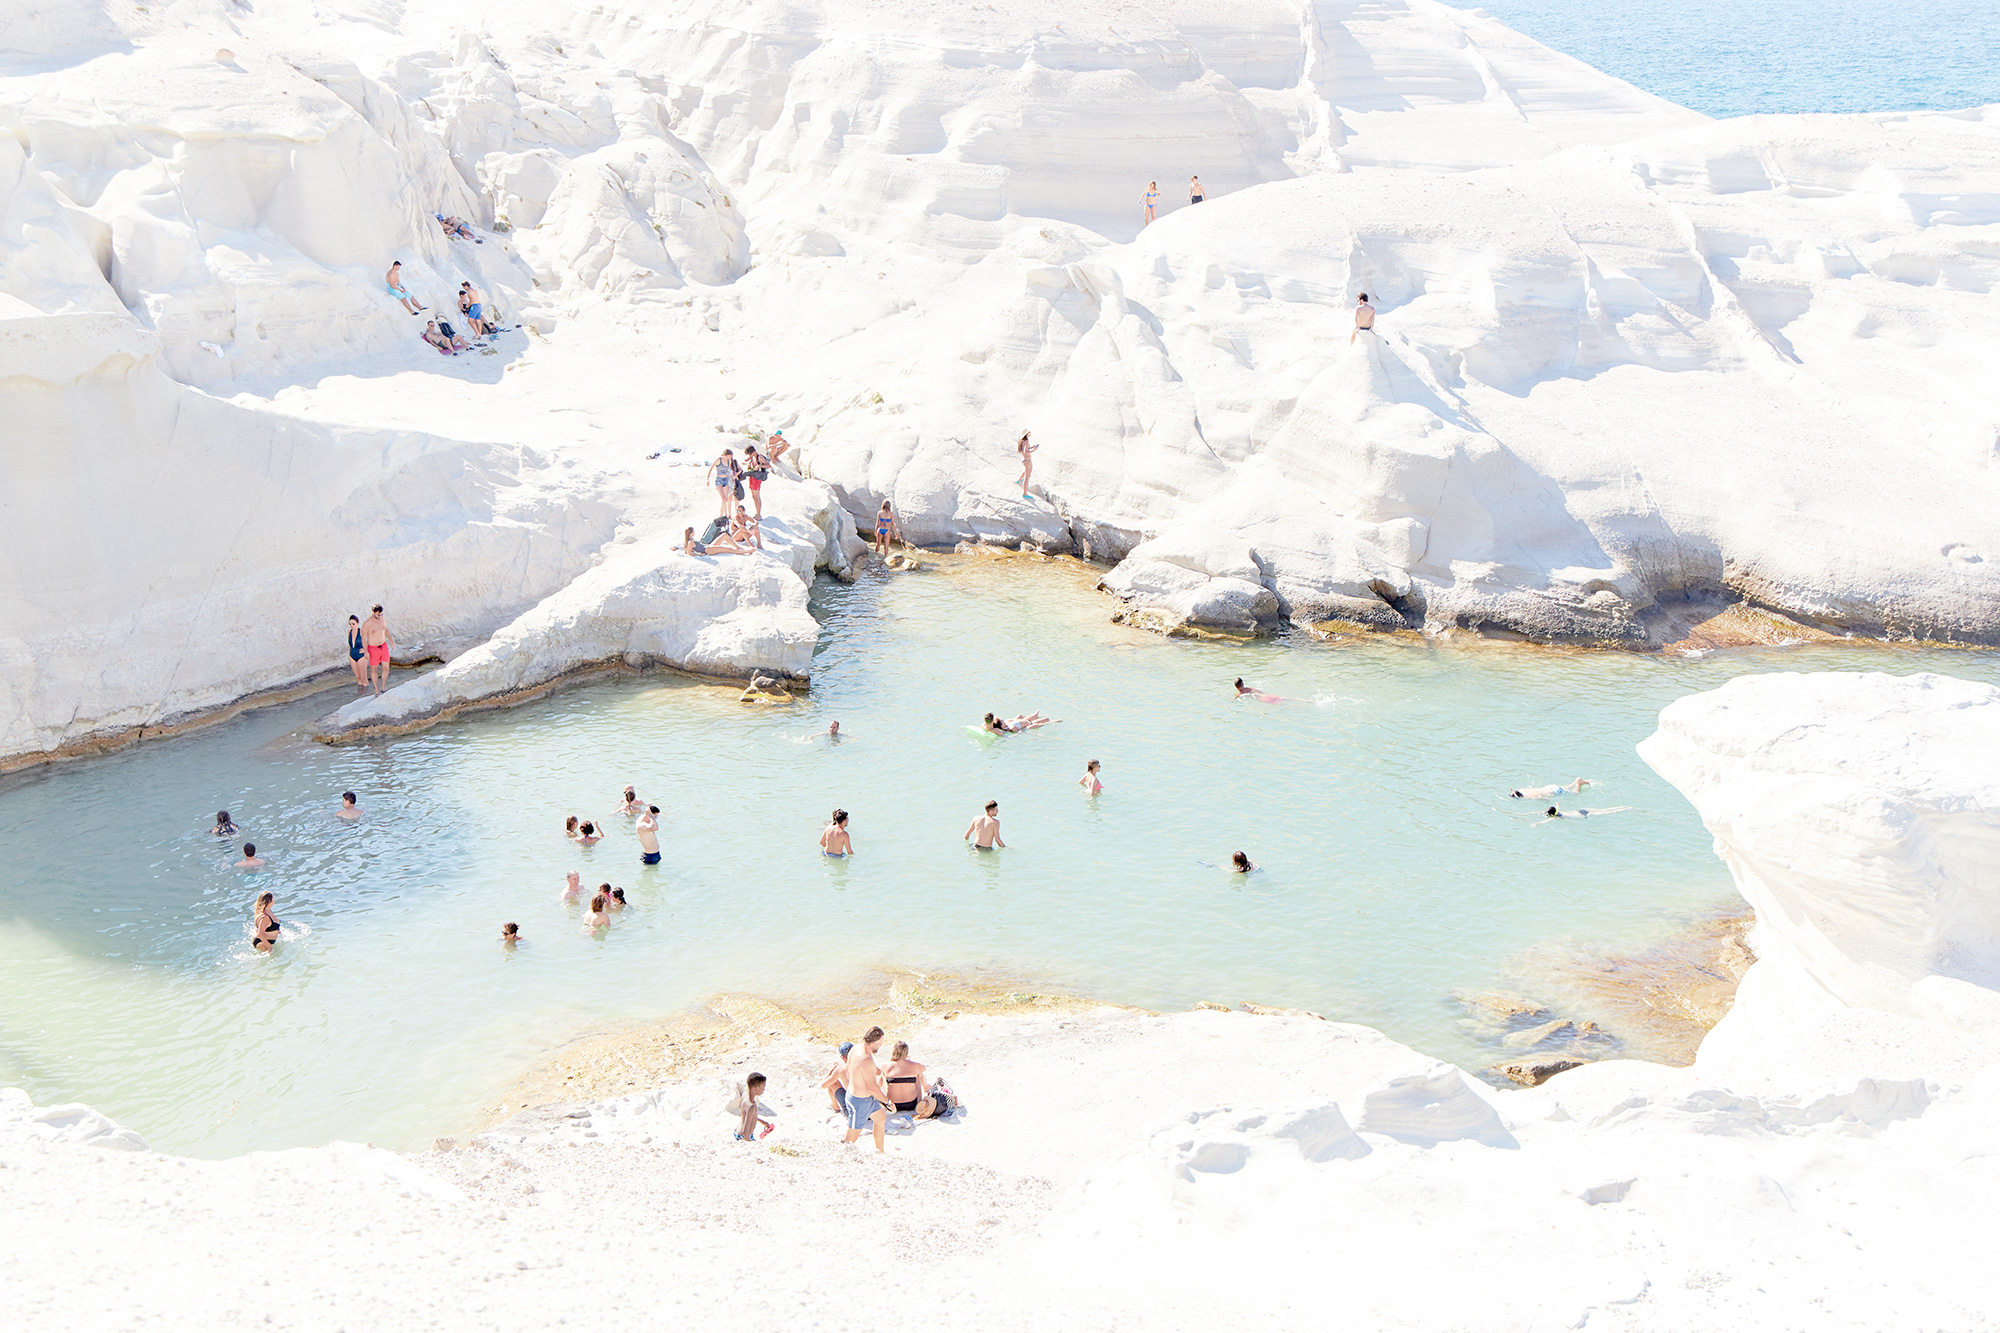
(435, 337)
(716, 546)
(745, 531)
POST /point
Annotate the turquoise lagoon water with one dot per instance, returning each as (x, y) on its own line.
(1394, 870)
(1742, 57)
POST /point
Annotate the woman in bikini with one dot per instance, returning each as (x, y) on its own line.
(744, 532)
(720, 546)
(909, 1089)
(885, 529)
(586, 834)
(1026, 451)
(264, 926)
(356, 655)
(1152, 202)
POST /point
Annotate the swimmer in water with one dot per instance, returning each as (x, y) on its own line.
(572, 887)
(832, 732)
(598, 918)
(250, 861)
(225, 827)
(1239, 864)
(984, 830)
(1543, 793)
(648, 829)
(1244, 691)
(586, 834)
(834, 839)
(617, 903)
(631, 805)
(350, 807)
(1091, 786)
(510, 935)
(265, 926)
(1553, 813)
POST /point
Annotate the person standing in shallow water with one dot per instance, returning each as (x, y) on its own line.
(834, 840)
(984, 830)
(1089, 781)
(648, 829)
(1364, 319)
(264, 926)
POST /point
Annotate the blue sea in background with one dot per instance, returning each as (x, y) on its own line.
(1747, 57)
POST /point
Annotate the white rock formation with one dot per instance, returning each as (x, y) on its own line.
(1626, 357)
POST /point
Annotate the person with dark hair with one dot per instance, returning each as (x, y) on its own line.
(510, 934)
(1089, 781)
(834, 1085)
(350, 807)
(909, 1089)
(744, 1104)
(1364, 319)
(598, 918)
(886, 529)
(617, 903)
(356, 654)
(722, 476)
(586, 834)
(1027, 452)
(984, 830)
(394, 279)
(265, 927)
(865, 1094)
(225, 827)
(631, 805)
(834, 839)
(648, 829)
(756, 471)
(1239, 864)
(250, 861)
(377, 641)
(1195, 193)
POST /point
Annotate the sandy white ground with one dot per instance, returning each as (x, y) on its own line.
(1626, 356)
(1822, 1166)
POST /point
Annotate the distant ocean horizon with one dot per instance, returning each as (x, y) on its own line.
(1749, 57)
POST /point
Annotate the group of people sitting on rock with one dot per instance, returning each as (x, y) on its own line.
(437, 332)
(726, 534)
(868, 1093)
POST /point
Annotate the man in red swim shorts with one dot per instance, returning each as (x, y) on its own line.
(376, 640)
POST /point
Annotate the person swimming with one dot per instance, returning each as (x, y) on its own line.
(1244, 691)
(572, 887)
(1543, 793)
(510, 934)
(225, 827)
(598, 918)
(1553, 813)
(250, 861)
(835, 840)
(586, 834)
(1017, 723)
(1239, 864)
(350, 806)
(617, 903)
(631, 805)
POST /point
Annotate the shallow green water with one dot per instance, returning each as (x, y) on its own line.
(1394, 870)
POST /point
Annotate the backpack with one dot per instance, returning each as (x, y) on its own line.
(447, 330)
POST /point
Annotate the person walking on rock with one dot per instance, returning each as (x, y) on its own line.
(865, 1093)
(376, 641)
(886, 530)
(357, 656)
(1152, 200)
(1364, 319)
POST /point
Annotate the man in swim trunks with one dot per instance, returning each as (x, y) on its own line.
(984, 830)
(376, 641)
(834, 1085)
(394, 279)
(1364, 319)
(756, 471)
(865, 1094)
(834, 839)
(648, 829)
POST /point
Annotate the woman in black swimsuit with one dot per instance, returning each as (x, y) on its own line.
(266, 925)
(354, 654)
(909, 1090)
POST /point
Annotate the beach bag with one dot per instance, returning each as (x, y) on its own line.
(739, 490)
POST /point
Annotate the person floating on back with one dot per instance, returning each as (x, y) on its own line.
(1364, 319)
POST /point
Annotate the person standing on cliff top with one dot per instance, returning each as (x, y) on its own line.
(376, 641)
(1195, 193)
(1152, 200)
(1364, 319)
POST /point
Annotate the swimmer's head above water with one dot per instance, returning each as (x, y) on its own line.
(1240, 864)
(840, 818)
(510, 933)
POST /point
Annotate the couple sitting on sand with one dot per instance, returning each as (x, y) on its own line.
(867, 1094)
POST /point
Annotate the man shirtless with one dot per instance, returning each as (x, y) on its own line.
(648, 829)
(1364, 319)
(376, 641)
(984, 830)
(866, 1097)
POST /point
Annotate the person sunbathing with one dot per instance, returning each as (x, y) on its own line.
(437, 339)
(718, 545)
(909, 1089)
(744, 532)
